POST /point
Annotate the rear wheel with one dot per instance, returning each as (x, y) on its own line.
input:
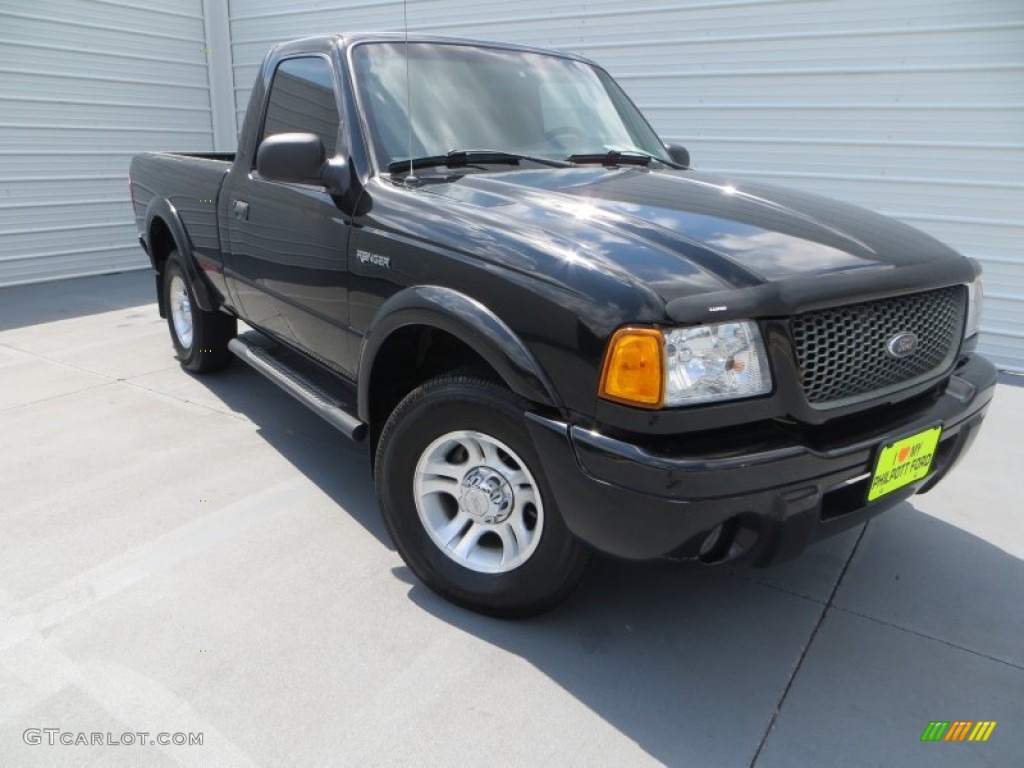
(200, 338)
(466, 505)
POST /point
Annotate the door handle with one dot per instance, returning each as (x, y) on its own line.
(241, 209)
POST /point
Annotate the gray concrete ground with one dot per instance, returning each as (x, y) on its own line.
(183, 554)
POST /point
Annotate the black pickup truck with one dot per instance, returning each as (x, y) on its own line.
(553, 333)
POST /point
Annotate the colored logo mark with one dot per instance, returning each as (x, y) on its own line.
(958, 730)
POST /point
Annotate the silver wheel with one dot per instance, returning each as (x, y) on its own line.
(181, 312)
(478, 502)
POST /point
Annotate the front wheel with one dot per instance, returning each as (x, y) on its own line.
(466, 505)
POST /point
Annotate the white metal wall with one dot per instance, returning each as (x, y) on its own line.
(914, 108)
(84, 84)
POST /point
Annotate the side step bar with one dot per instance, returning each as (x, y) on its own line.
(306, 392)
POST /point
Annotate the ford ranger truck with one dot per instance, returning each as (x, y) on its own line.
(554, 335)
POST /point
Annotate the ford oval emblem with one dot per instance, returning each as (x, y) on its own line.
(902, 345)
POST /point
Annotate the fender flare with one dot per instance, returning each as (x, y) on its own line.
(161, 208)
(469, 321)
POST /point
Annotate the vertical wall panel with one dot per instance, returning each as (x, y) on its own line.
(84, 84)
(222, 84)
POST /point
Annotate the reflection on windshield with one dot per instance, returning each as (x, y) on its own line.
(466, 97)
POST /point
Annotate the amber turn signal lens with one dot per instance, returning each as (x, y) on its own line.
(634, 367)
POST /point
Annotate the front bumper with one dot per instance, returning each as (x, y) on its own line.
(772, 502)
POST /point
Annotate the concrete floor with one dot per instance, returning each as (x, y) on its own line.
(182, 554)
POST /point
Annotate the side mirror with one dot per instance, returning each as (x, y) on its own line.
(680, 155)
(300, 158)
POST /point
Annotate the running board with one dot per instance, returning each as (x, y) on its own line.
(298, 386)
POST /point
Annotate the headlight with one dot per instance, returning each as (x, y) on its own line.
(715, 362)
(651, 368)
(975, 293)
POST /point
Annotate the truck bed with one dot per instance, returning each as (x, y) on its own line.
(224, 157)
(191, 182)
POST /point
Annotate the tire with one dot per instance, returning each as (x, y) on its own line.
(463, 496)
(200, 338)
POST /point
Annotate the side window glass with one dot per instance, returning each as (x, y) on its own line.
(302, 100)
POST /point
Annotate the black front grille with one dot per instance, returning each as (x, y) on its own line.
(843, 352)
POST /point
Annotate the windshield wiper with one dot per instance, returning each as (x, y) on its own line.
(460, 158)
(615, 157)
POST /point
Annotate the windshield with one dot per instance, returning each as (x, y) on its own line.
(466, 98)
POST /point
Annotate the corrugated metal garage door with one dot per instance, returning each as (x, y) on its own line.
(914, 108)
(84, 85)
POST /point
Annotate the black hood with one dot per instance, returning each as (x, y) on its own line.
(686, 235)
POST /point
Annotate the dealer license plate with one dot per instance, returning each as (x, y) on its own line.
(904, 461)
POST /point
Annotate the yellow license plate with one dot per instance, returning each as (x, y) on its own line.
(904, 461)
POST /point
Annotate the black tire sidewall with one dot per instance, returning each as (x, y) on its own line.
(448, 405)
(211, 331)
(186, 355)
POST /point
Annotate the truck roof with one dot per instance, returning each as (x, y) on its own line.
(346, 41)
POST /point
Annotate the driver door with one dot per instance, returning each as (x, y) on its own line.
(289, 242)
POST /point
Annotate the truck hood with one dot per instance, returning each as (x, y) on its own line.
(707, 243)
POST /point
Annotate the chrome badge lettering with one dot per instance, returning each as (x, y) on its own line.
(365, 257)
